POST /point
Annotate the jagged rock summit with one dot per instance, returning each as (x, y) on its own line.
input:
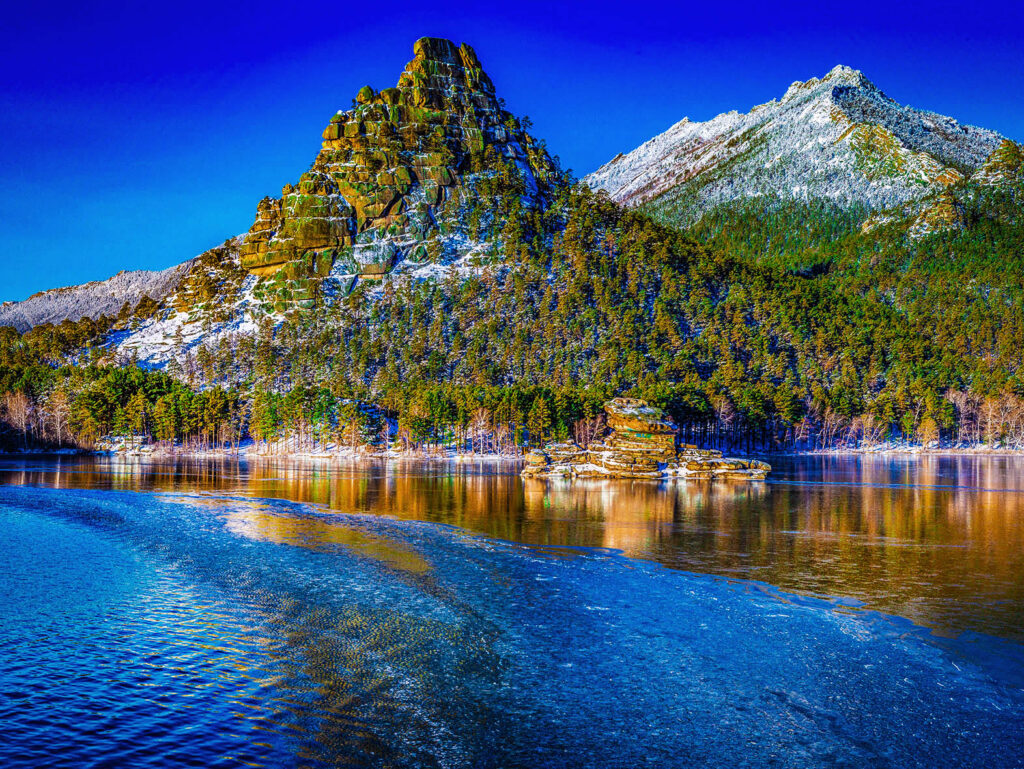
(391, 170)
(642, 443)
(837, 138)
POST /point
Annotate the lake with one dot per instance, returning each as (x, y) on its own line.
(852, 611)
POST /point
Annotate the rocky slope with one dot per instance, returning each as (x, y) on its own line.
(1000, 179)
(386, 194)
(392, 173)
(838, 138)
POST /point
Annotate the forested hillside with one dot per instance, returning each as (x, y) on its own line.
(526, 299)
(828, 335)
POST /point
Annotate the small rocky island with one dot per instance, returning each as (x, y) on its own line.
(641, 443)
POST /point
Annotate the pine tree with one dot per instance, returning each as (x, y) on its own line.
(538, 421)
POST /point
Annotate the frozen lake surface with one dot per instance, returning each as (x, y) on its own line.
(853, 612)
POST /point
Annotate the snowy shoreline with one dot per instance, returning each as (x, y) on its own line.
(969, 451)
(249, 452)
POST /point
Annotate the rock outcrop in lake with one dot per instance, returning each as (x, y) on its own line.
(641, 443)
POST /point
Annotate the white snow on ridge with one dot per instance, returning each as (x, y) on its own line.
(838, 138)
(91, 300)
(173, 334)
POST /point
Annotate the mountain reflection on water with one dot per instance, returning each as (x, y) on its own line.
(938, 540)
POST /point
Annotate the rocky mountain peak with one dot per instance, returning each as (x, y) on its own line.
(445, 76)
(391, 170)
(839, 77)
(848, 76)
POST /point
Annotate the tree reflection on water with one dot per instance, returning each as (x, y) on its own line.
(939, 540)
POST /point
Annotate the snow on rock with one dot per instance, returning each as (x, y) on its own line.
(91, 300)
(1004, 166)
(837, 138)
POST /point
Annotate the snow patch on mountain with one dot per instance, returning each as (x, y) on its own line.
(91, 300)
(836, 138)
(185, 321)
(174, 333)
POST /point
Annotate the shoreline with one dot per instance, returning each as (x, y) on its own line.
(465, 458)
(907, 451)
(248, 454)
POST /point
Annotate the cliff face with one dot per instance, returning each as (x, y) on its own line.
(392, 170)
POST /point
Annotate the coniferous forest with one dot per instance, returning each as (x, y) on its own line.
(765, 325)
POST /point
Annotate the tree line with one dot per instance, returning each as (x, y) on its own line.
(781, 327)
(79, 407)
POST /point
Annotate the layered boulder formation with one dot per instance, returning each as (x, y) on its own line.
(392, 171)
(642, 443)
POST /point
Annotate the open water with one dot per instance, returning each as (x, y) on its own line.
(852, 612)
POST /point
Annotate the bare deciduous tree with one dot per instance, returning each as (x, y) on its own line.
(18, 408)
(57, 410)
(480, 428)
(589, 429)
(832, 425)
(503, 439)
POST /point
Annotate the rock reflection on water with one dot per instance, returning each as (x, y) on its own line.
(939, 540)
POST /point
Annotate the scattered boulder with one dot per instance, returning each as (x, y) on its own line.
(365, 95)
(642, 443)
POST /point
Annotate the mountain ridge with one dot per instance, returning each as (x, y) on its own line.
(838, 137)
(92, 299)
(503, 284)
(395, 179)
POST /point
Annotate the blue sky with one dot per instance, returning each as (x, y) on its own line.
(135, 136)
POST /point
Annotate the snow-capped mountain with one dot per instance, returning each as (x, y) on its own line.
(91, 300)
(838, 138)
